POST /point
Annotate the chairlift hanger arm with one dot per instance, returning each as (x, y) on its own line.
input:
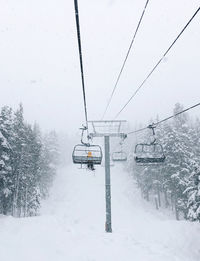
(152, 127)
(84, 128)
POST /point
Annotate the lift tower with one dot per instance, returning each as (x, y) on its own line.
(108, 129)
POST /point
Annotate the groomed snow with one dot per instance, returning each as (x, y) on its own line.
(71, 225)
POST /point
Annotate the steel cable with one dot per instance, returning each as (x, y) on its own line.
(157, 64)
(123, 65)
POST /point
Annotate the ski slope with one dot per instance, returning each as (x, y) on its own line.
(71, 225)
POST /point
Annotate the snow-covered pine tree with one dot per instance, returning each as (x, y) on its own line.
(29, 183)
(48, 162)
(193, 193)
(193, 189)
(6, 182)
(182, 159)
(28, 164)
(33, 193)
(18, 159)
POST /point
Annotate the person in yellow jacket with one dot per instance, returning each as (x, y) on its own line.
(90, 164)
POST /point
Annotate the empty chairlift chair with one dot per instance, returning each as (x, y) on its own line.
(83, 154)
(119, 156)
(149, 153)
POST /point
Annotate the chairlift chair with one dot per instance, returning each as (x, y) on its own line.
(83, 154)
(119, 156)
(149, 153)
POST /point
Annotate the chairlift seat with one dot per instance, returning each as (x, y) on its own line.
(83, 154)
(149, 153)
(119, 156)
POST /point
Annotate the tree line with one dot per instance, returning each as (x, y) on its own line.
(176, 183)
(28, 161)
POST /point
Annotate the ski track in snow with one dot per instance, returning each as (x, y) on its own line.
(71, 225)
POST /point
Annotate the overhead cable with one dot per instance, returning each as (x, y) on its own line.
(81, 59)
(123, 65)
(166, 119)
(157, 64)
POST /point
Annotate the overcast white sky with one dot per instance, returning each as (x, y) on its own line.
(40, 66)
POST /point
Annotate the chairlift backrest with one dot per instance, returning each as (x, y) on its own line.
(119, 156)
(149, 153)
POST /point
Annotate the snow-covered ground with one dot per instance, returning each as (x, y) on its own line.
(71, 225)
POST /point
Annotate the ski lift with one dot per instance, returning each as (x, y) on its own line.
(149, 153)
(83, 154)
(119, 156)
(87, 154)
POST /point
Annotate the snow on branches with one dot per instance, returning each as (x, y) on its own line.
(26, 170)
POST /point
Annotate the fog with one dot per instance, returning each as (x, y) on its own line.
(40, 64)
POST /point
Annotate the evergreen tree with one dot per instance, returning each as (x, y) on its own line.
(193, 193)
(6, 183)
(28, 164)
(49, 162)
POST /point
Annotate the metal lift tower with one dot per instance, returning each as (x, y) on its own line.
(108, 129)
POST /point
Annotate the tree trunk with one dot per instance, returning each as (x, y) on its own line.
(156, 202)
(25, 204)
(147, 195)
(176, 207)
(166, 199)
(172, 203)
(158, 195)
